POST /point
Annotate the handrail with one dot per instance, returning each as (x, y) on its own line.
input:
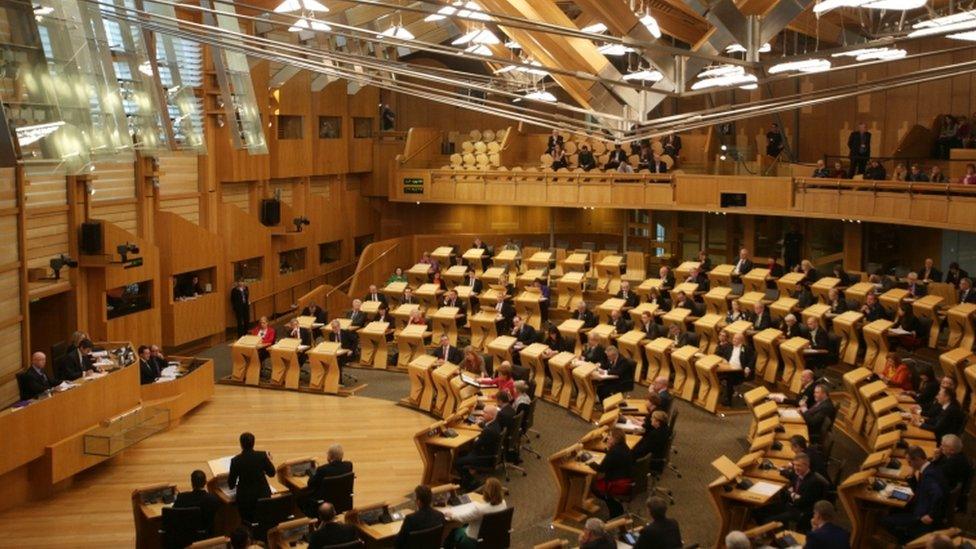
(911, 187)
(358, 270)
(567, 176)
(311, 281)
(404, 159)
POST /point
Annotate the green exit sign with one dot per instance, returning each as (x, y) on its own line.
(413, 185)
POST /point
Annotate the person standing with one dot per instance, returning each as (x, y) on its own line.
(248, 470)
(859, 149)
(240, 301)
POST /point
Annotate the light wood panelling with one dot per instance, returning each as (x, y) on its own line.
(9, 248)
(121, 213)
(114, 181)
(47, 237)
(286, 186)
(187, 207)
(293, 157)
(45, 189)
(363, 104)
(179, 173)
(331, 156)
(8, 193)
(236, 194)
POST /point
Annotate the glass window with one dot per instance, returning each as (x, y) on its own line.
(362, 128)
(330, 127)
(289, 126)
(126, 300)
(330, 252)
(291, 261)
(249, 270)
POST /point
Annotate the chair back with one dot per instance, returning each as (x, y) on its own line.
(499, 457)
(513, 436)
(271, 512)
(529, 420)
(640, 470)
(182, 526)
(496, 529)
(673, 420)
(824, 435)
(426, 539)
(951, 503)
(658, 464)
(22, 385)
(338, 491)
(354, 544)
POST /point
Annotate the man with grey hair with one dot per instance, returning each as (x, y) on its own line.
(34, 381)
(595, 536)
(484, 449)
(660, 386)
(618, 377)
(954, 466)
(336, 466)
(737, 540)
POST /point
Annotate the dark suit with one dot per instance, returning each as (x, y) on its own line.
(148, 372)
(240, 301)
(926, 394)
(760, 322)
(453, 354)
(347, 339)
(667, 282)
(526, 336)
(419, 520)
(332, 533)
(662, 301)
(588, 318)
(928, 500)
(799, 505)
(956, 470)
(357, 318)
(828, 536)
(792, 331)
(551, 143)
(623, 368)
(483, 450)
(616, 157)
(839, 306)
(742, 266)
(34, 383)
(321, 317)
(327, 470)
(806, 394)
(595, 354)
(666, 400)
(967, 296)
(859, 147)
(954, 278)
(630, 300)
(916, 290)
(662, 534)
(247, 473)
(658, 166)
(203, 500)
(817, 414)
(946, 420)
(875, 312)
(379, 296)
(934, 275)
(506, 417)
(73, 365)
(622, 325)
(653, 442)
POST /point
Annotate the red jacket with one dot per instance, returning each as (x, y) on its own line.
(269, 335)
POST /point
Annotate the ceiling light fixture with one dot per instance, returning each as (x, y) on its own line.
(723, 76)
(441, 14)
(397, 31)
(303, 24)
(486, 37)
(895, 5)
(873, 54)
(473, 11)
(961, 21)
(652, 27)
(645, 75)
(615, 50)
(301, 5)
(595, 28)
(804, 65)
(465, 38)
(541, 95)
(737, 48)
(478, 49)
(513, 45)
(971, 36)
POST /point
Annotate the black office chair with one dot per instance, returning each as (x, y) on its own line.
(497, 461)
(338, 491)
(513, 443)
(496, 529)
(640, 473)
(271, 512)
(182, 526)
(354, 544)
(426, 539)
(836, 479)
(527, 422)
(658, 465)
(22, 385)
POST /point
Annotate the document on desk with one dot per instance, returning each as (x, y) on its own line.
(889, 472)
(64, 386)
(628, 427)
(220, 465)
(470, 380)
(764, 488)
(898, 331)
(790, 413)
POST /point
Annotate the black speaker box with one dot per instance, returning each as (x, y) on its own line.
(270, 212)
(91, 241)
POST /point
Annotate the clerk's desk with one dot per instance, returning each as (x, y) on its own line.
(43, 441)
(438, 448)
(193, 386)
(377, 533)
(732, 501)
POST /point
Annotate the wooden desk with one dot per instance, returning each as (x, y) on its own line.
(608, 273)
(483, 328)
(638, 311)
(245, 360)
(370, 308)
(571, 329)
(707, 328)
(734, 506)
(862, 505)
(783, 306)
(147, 509)
(532, 359)
(444, 255)
(411, 344)
(717, 300)
(454, 275)
(819, 312)
(569, 289)
(573, 478)
(682, 360)
(291, 534)
(858, 292)
(394, 293)
(629, 345)
(892, 299)
(953, 363)
(345, 324)
(561, 372)
(373, 345)
(428, 294)
(970, 374)
(852, 410)
(645, 287)
(683, 271)
(585, 390)
(576, 263)
(658, 354)
(540, 260)
(445, 400)
(604, 309)
(876, 344)
(928, 307)
(183, 394)
(755, 280)
(821, 288)
(789, 284)
(506, 259)
(721, 275)
(794, 362)
(401, 315)
(421, 370)
(749, 299)
(709, 388)
(475, 258)
(689, 289)
(419, 274)
(309, 323)
(500, 349)
(528, 305)
(961, 330)
(492, 276)
(323, 361)
(677, 316)
(767, 344)
(285, 365)
(743, 327)
(528, 278)
(444, 322)
(846, 326)
(604, 332)
(437, 451)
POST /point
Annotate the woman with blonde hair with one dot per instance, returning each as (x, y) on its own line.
(466, 536)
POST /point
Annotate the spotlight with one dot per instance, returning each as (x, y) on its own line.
(61, 262)
(724, 147)
(125, 249)
(722, 157)
(298, 222)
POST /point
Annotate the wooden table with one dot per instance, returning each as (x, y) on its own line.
(483, 328)
(821, 288)
(604, 309)
(443, 254)
(721, 275)
(961, 330)
(246, 364)
(474, 257)
(323, 362)
(876, 344)
(569, 289)
(506, 259)
(658, 354)
(789, 283)
(576, 263)
(846, 326)
(373, 345)
(500, 349)
(421, 370)
(454, 275)
(401, 315)
(532, 359)
(717, 300)
(571, 330)
(561, 372)
(428, 294)
(419, 274)
(682, 361)
(285, 363)
(444, 322)
(411, 344)
(755, 280)
(394, 292)
(528, 305)
(540, 260)
(608, 273)
(928, 307)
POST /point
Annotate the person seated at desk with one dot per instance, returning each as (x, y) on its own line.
(843, 279)
(158, 357)
(426, 259)
(915, 287)
(424, 518)
(817, 336)
(328, 532)
(680, 337)
(485, 256)
(266, 335)
(148, 372)
(437, 280)
(614, 473)
(594, 352)
(790, 327)
(473, 363)
(617, 157)
(896, 373)
(955, 274)
(466, 535)
(383, 314)
(397, 276)
(682, 301)
(545, 295)
(662, 532)
(483, 449)
(408, 297)
(776, 270)
(34, 381)
(188, 287)
(759, 317)
(503, 380)
(556, 342)
(654, 439)
(824, 534)
(523, 400)
(559, 158)
(374, 294)
(472, 281)
(927, 388)
(631, 299)
(926, 509)
(320, 315)
(837, 303)
(357, 318)
(445, 352)
(451, 299)
(805, 488)
(743, 265)
(740, 356)
(200, 498)
(955, 467)
(818, 462)
(805, 396)
(872, 309)
(621, 325)
(524, 335)
(810, 273)
(817, 414)
(661, 387)
(335, 465)
(348, 340)
(622, 370)
(418, 318)
(667, 278)
(595, 535)
(945, 416)
(506, 417)
(504, 315)
(651, 329)
(660, 298)
(585, 314)
(735, 312)
(76, 363)
(249, 473)
(698, 276)
(294, 331)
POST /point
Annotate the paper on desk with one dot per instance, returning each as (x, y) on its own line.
(220, 465)
(789, 413)
(628, 427)
(889, 471)
(64, 386)
(898, 331)
(764, 488)
(99, 354)
(776, 397)
(104, 362)
(890, 488)
(303, 348)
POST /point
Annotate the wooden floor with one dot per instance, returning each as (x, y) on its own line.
(96, 510)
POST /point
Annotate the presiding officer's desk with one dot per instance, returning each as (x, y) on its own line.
(192, 386)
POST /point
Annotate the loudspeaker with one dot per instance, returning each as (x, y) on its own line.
(91, 242)
(270, 212)
(733, 200)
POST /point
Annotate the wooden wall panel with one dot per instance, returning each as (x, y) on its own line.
(186, 207)
(43, 190)
(179, 173)
(11, 362)
(9, 248)
(331, 156)
(114, 181)
(293, 157)
(236, 194)
(363, 104)
(287, 188)
(121, 213)
(240, 165)
(47, 237)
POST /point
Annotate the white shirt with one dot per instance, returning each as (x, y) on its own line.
(738, 267)
(472, 515)
(734, 359)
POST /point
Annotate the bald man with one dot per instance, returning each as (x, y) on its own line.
(35, 381)
(483, 450)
